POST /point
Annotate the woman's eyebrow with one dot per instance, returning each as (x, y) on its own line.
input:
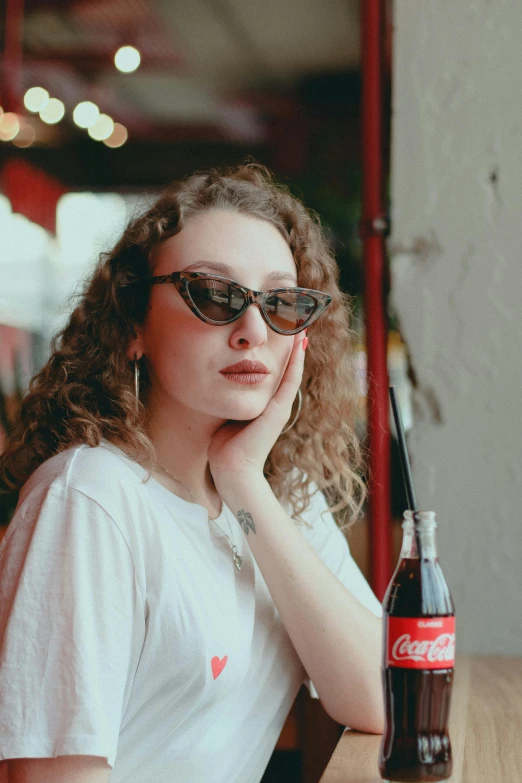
(226, 271)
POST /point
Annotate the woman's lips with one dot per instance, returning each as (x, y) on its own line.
(245, 377)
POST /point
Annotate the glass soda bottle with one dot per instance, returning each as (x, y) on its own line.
(418, 660)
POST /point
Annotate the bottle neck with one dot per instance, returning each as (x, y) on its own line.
(423, 523)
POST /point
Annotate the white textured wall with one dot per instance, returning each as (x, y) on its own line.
(456, 254)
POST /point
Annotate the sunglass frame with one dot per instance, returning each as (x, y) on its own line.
(182, 279)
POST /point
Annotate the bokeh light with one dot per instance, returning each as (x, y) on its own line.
(53, 112)
(118, 137)
(85, 114)
(102, 128)
(127, 59)
(9, 126)
(36, 99)
(26, 135)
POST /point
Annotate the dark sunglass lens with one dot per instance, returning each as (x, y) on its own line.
(289, 311)
(216, 299)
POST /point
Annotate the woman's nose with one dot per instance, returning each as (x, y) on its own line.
(251, 327)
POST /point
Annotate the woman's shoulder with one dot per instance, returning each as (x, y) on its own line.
(95, 471)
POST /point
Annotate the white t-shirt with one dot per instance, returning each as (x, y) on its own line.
(127, 632)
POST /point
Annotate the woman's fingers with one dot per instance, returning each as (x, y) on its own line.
(283, 400)
(239, 447)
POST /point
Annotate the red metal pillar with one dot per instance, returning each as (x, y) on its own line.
(11, 93)
(374, 226)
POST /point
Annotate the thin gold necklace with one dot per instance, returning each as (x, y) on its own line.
(238, 560)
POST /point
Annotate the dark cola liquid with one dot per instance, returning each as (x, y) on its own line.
(415, 746)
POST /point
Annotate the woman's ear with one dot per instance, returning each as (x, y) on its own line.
(135, 349)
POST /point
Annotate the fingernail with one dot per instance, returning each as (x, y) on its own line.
(305, 343)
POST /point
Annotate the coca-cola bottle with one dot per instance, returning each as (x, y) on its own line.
(418, 660)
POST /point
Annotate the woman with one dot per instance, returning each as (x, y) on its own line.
(141, 628)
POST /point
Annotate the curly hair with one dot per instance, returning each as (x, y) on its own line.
(85, 391)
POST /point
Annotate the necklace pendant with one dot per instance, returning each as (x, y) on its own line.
(238, 560)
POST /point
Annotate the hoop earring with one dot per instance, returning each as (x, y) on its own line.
(299, 405)
(136, 377)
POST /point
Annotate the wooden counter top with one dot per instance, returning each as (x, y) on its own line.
(485, 728)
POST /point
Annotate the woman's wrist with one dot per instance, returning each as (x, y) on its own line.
(238, 487)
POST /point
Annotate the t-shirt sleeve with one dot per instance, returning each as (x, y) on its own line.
(70, 617)
(332, 547)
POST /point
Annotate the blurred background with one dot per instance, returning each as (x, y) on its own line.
(104, 102)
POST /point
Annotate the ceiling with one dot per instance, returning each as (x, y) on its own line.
(215, 66)
(219, 79)
(278, 80)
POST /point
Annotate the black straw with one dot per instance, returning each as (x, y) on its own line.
(405, 462)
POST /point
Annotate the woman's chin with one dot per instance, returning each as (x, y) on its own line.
(246, 411)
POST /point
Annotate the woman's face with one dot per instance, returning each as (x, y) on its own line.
(185, 355)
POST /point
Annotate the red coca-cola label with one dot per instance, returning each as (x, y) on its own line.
(421, 642)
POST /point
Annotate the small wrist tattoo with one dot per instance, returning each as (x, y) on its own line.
(246, 521)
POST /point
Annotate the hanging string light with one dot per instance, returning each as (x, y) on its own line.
(53, 111)
(85, 114)
(127, 59)
(118, 137)
(36, 99)
(9, 126)
(102, 128)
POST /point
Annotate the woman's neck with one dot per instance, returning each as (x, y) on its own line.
(182, 451)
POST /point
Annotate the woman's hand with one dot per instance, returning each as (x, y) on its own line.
(242, 447)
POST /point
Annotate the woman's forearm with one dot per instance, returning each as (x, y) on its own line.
(337, 638)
